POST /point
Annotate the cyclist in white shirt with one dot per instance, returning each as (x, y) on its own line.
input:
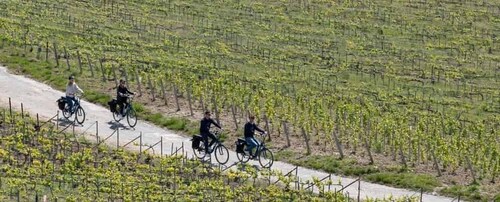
(71, 90)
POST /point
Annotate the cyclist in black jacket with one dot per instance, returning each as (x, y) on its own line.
(250, 128)
(121, 96)
(205, 124)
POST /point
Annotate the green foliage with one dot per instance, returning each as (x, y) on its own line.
(406, 180)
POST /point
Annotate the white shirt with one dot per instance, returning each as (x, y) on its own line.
(71, 90)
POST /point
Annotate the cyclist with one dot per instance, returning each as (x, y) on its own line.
(205, 124)
(250, 128)
(71, 90)
(121, 96)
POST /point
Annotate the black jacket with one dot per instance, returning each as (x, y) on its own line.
(205, 125)
(122, 91)
(250, 129)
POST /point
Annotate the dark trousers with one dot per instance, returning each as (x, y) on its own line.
(205, 137)
(122, 102)
(71, 101)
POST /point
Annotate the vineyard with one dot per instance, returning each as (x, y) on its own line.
(43, 161)
(414, 81)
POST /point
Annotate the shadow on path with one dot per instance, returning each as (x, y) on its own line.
(115, 125)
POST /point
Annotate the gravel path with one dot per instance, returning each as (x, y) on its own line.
(40, 98)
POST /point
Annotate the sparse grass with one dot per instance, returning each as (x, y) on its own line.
(405, 180)
(471, 192)
(349, 167)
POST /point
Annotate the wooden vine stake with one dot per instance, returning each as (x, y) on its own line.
(233, 112)
(39, 50)
(336, 138)
(47, 51)
(79, 61)
(471, 169)
(102, 70)
(436, 163)
(55, 55)
(124, 74)
(114, 74)
(176, 98)
(136, 72)
(90, 65)
(306, 138)
(367, 144)
(67, 58)
(202, 104)
(287, 133)
(189, 102)
(216, 110)
(152, 89)
(266, 120)
(164, 92)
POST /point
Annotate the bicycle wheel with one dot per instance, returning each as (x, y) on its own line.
(199, 153)
(115, 117)
(266, 158)
(66, 114)
(131, 118)
(80, 115)
(243, 157)
(221, 154)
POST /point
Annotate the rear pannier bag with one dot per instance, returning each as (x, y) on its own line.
(112, 105)
(240, 144)
(61, 103)
(196, 141)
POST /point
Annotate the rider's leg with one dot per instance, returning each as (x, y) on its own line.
(69, 101)
(205, 142)
(251, 144)
(121, 105)
(212, 139)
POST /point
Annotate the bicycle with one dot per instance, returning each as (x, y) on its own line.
(129, 113)
(261, 150)
(77, 110)
(221, 152)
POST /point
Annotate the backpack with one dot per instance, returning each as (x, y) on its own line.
(112, 105)
(61, 103)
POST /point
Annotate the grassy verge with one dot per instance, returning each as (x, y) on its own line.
(397, 177)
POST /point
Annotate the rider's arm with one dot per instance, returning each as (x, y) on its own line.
(78, 89)
(215, 123)
(126, 89)
(258, 129)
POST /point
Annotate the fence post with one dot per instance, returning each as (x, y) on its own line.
(117, 138)
(140, 143)
(97, 131)
(161, 146)
(22, 111)
(10, 111)
(359, 189)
